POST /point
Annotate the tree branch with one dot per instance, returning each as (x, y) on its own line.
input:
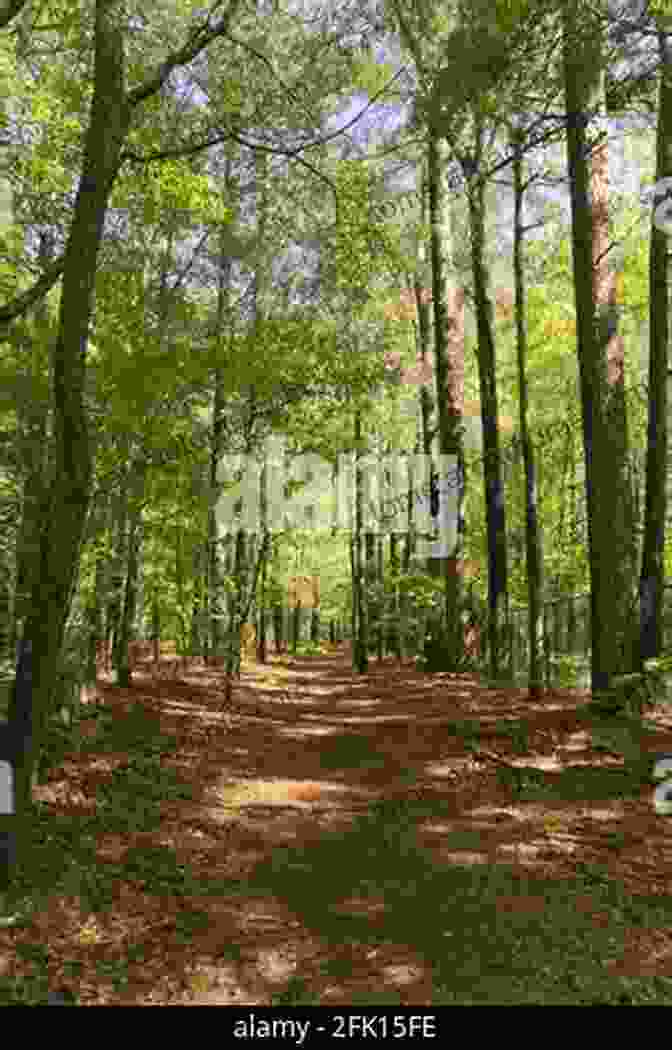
(25, 300)
(200, 38)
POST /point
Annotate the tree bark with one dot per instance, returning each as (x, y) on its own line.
(67, 501)
(600, 357)
(652, 579)
(71, 479)
(533, 539)
(448, 304)
(492, 460)
(360, 650)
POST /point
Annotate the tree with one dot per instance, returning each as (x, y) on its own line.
(448, 344)
(533, 538)
(112, 107)
(599, 354)
(652, 578)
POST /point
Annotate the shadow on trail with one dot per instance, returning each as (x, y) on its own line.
(347, 833)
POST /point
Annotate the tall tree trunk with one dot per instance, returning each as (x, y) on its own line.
(600, 358)
(354, 616)
(263, 619)
(224, 275)
(131, 542)
(71, 479)
(618, 508)
(370, 588)
(123, 668)
(360, 651)
(240, 571)
(407, 606)
(492, 460)
(652, 580)
(426, 402)
(533, 538)
(448, 304)
(95, 605)
(156, 626)
(410, 534)
(380, 576)
(265, 555)
(213, 565)
(182, 639)
(196, 646)
(278, 627)
(118, 562)
(394, 628)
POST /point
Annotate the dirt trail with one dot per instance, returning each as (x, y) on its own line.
(322, 835)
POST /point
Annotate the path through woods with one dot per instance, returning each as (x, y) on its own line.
(334, 839)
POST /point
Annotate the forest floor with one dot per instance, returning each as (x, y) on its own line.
(328, 838)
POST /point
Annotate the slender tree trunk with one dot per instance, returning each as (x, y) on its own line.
(156, 627)
(94, 612)
(652, 579)
(600, 357)
(69, 490)
(127, 618)
(618, 511)
(533, 538)
(124, 669)
(213, 567)
(370, 586)
(448, 303)
(196, 639)
(240, 570)
(119, 560)
(182, 640)
(216, 438)
(492, 460)
(407, 607)
(410, 535)
(380, 605)
(262, 648)
(360, 641)
(278, 625)
(394, 635)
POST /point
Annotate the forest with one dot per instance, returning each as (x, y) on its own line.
(335, 630)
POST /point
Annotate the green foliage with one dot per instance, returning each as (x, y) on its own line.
(308, 648)
(353, 260)
(369, 74)
(424, 592)
(174, 186)
(660, 9)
